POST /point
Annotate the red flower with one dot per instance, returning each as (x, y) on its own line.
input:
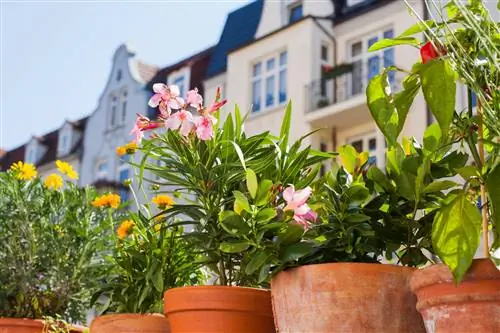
(429, 52)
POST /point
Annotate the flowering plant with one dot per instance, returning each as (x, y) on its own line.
(463, 48)
(248, 219)
(51, 237)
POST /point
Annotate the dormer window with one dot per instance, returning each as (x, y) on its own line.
(31, 155)
(295, 12)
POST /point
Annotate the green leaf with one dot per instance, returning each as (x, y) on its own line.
(349, 157)
(266, 215)
(263, 192)
(405, 185)
(258, 259)
(467, 172)
(238, 122)
(264, 273)
(252, 184)
(381, 108)
(439, 88)
(235, 246)
(234, 224)
(493, 187)
(240, 154)
(292, 234)
(157, 280)
(242, 201)
(295, 251)
(404, 99)
(379, 178)
(388, 42)
(285, 126)
(395, 157)
(418, 28)
(357, 218)
(455, 234)
(432, 138)
(439, 185)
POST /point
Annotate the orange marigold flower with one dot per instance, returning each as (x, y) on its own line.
(107, 200)
(125, 229)
(129, 148)
(163, 201)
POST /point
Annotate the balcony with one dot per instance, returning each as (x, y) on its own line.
(342, 93)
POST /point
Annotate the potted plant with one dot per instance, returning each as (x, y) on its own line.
(238, 197)
(145, 260)
(463, 294)
(365, 214)
(50, 235)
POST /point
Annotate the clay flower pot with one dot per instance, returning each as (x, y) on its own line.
(471, 306)
(130, 322)
(22, 325)
(345, 297)
(219, 309)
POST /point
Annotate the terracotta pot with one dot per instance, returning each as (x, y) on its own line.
(22, 325)
(130, 322)
(472, 306)
(219, 309)
(345, 297)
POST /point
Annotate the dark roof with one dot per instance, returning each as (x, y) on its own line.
(240, 28)
(49, 141)
(198, 63)
(343, 12)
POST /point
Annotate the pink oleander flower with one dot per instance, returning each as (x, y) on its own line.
(296, 201)
(182, 119)
(194, 99)
(142, 124)
(204, 126)
(165, 98)
(306, 218)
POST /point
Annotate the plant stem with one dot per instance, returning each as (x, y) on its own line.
(484, 210)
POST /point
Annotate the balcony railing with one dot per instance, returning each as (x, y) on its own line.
(324, 92)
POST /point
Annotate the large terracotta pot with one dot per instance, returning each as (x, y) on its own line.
(345, 297)
(21, 325)
(130, 322)
(473, 306)
(220, 309)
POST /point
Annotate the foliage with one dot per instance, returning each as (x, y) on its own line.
(51, 239)
(56, 325)
(463, 49)
(232, 186)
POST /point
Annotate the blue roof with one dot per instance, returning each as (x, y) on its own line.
(239, 29)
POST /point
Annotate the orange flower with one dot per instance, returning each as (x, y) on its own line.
(129, 148)
(125, 229)
(163, 201)
(107, 200)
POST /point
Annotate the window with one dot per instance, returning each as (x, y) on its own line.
(118, 75)
(31, 156)
(271, 73)
(179, 81)
(295, 13)
(324, 52)
(366, 143)
(112, 111)
(124, 110)
(102, 169)
(367, 65)
(474, 99)
(326, 87)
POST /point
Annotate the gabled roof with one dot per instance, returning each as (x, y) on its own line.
(240, 28)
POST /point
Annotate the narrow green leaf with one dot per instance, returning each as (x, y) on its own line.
(265, 215)
(240, 154)
(242, 201)
(381, 108)
(235, 246)
(157, 280)
(348, 156)
(439, 88)
(264, 273)
(455, 234)
(238, 122)
(439, 185)
(357, 218)
(285, 127)
(418, 28)
(252, 184)
(388, 42)
(258, 259)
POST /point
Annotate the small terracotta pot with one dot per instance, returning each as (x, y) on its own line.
(471, 306)
(22, 325)
(220, 309)
(130, 322)
(345, 297)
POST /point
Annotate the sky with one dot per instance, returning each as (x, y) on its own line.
(56, 55)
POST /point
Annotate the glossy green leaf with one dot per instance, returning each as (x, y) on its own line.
(455, 234)
(467, 172)
(295, 251)
(242, 201)
(292, 234)
(404, 99)
(418, 28)
(257, 260)
(265, 215)
(357, 218)
(348, 156)
(234, 224)
(388, 42)
(379, 178)
(263, 192)
(439, 88)
(395, 157)
(235, 246)
(493, 188)
(381, 108)
(439, 185)
(157, 280)
(432, 138)
(252, 184)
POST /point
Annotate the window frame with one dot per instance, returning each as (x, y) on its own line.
(266, 75)
(292, 7)
(365, 141)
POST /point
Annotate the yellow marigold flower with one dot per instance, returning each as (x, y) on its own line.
(163, 201)
(25, 171)
(157, 227)
(120, 151)
(54, 181)
(107, 200)
(125, 229)
(66, 169)
(129, 148)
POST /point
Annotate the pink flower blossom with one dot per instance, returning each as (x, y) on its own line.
(142, 124)
(296, 201)
(194, 99)
(182, 119)
(204, 126)
(165, 98)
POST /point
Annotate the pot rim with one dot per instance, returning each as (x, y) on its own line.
(362, 265)
(219, 288)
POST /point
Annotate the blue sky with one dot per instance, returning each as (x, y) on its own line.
(56, 55)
